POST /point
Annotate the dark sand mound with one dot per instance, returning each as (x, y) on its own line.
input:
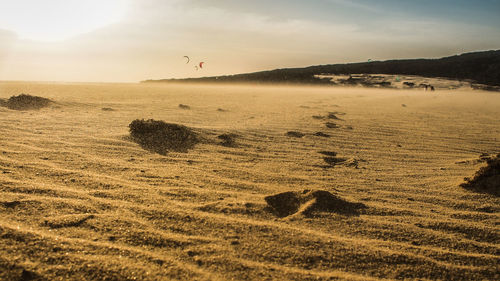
(328, 153)
(332, 160)
(10, 204)
(331, 125)
(335, 160)
(228, 140)
(333, 115)
(295, 134)
(309, 202)
(25, 102)
(486, 179)
(330, 115)
(321, 134)
(162, 137)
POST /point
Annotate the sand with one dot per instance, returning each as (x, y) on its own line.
(80, 200)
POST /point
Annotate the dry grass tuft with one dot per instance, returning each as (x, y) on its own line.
(161, 137)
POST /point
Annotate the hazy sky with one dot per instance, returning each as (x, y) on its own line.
(132, 40)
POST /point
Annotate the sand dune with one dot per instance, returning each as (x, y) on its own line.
(79, 199)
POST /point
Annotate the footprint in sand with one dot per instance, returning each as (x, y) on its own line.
(310, 202)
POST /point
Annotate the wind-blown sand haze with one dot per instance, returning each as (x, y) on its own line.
(366, 184)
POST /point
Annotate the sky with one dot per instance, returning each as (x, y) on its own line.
(134, 40)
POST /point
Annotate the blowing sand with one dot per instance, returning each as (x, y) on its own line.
(79, 199)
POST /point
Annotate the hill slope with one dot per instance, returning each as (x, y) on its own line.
(482, 67)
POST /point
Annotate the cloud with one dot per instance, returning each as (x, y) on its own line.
(241, 36)
(53, 20)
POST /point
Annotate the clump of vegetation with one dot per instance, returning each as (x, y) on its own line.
(486, 179)
(25, 102)
(161, 137)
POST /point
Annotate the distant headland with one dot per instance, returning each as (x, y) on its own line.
(477, 67)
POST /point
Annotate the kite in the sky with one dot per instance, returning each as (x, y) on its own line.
(201, 64)
(187, 59)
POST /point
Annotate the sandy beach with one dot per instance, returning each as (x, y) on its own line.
(80, 200)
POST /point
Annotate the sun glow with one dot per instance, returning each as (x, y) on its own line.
(56, 20)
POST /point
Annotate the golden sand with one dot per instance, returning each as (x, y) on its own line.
(79, 200)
